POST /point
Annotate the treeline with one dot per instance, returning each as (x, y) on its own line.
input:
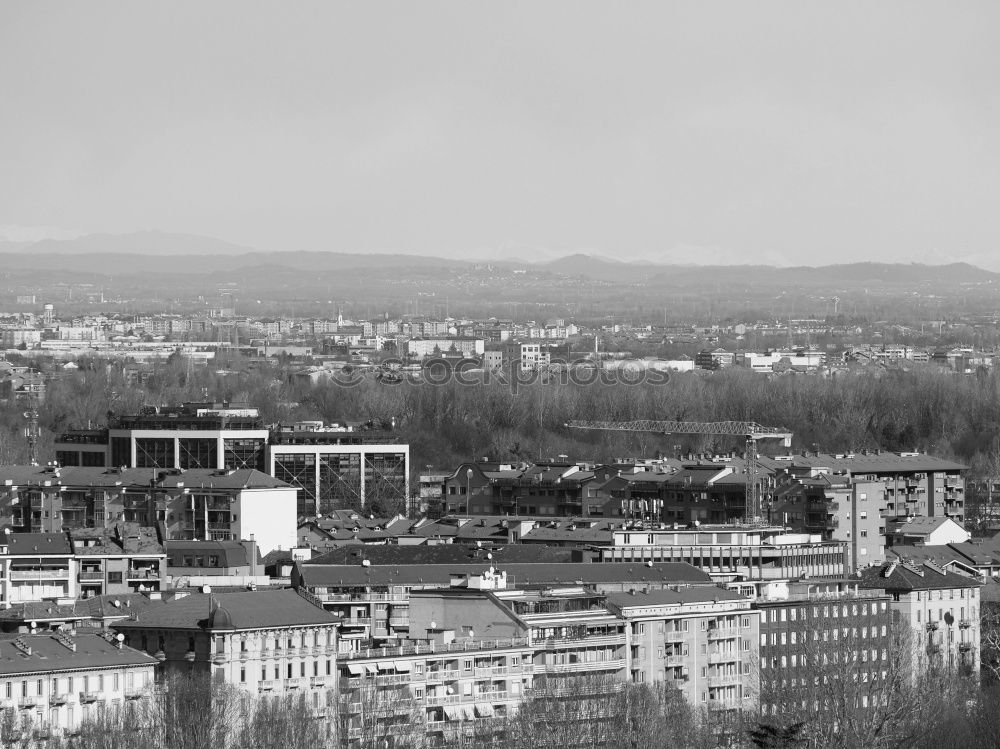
(948, 415)
(186, 712)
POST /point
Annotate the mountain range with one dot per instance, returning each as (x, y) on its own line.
(161, 252)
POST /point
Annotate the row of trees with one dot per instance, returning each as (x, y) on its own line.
(952, 416)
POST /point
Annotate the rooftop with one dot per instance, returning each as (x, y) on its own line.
(264, 609)
(36, 654)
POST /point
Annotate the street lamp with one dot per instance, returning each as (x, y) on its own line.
(468, 489)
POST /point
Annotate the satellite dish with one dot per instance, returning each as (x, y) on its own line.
(120, 637)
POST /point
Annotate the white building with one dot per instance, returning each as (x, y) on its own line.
(55, 681)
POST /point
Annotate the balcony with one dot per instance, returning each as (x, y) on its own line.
(91, 576)
(964, 623)
(87, 697)
(724, 704)
(560, 668)
(676, 660)
(965, 647)
(723, 633)
(723, 657)
(723, 680)
(30, 703)
(318, 681)
(933, 626)
(51, 574)
(296, 683)
(148, 573)
(134, 694)
(267, 685)
(356, 621)
(58, 699)
(442, 675)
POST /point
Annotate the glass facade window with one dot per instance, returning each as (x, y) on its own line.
(198, 453)
(243, 453)
(154, 453)
(299, 470)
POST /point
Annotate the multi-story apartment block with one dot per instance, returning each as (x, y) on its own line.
(730, 552)
(437, 689)
(939, 609)
(206, 504)
(838, 508)
(910, 483)
(37, 566)
(126, 558)
(54, 682)
(826, 628)
(264, 642)
(704, 641)
(374, 600)
(83, 563)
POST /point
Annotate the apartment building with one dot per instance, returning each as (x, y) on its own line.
(827, 628)
(837, 508)
(205, 504)
(53, 682)
(910, 483)
(729, 552)
(940, 610)
(374, 600)
(703, 641)
(439, 689)
(264, 642)
(37, 566)
(126, 558)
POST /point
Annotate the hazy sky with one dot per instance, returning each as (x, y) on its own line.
(700, 131)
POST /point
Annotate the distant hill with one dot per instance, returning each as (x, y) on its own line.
(180, 254)
(849, 273)
(137, 243)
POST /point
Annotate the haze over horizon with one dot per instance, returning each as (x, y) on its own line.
(775, 132)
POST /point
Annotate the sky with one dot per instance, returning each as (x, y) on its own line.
(731, 132)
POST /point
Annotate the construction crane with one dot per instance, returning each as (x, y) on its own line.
(749, 430)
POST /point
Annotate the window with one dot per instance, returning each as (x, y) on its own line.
(213, 561)
(243, 674)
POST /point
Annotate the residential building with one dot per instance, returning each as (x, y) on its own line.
(437, 689)
(704, 641)
(264, 642)
(126, 558)
(374, 599)
(821, 628)
(193, 504)
(53, 682)
(939, 609)
(938, 531)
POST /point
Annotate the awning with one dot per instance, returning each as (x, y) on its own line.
(386, 665)
(403, 665)
(371, 668)
(468, 713)
(454, 712)
(355, 668)
(484, 711)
